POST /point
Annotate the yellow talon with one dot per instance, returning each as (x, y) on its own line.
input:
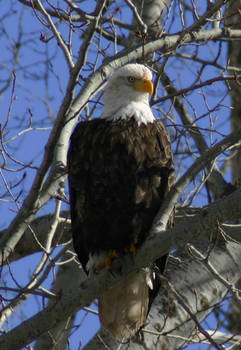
(108, 260)
(100, 266)
(114, 254)
(133, 249)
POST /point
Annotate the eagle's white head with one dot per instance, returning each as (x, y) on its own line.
(127, 94)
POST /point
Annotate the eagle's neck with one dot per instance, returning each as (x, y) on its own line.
(126, 108)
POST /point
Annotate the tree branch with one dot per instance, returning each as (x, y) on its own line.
(155, 246)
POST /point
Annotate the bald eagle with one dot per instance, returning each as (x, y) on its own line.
(120, 169)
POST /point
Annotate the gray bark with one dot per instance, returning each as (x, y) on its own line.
(151, 13)
(234, 54)
(200, 291)
(234, 60)
(29, 245)
(69, 276)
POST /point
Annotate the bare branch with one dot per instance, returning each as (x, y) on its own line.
(155, 246)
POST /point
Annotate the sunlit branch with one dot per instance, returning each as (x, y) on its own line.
(205, 261)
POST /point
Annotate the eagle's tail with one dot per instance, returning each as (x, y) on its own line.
(123, 308)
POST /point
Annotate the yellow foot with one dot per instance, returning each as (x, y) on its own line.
(108, 260)
(132, 249)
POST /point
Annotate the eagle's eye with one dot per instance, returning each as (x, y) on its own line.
(131, 79)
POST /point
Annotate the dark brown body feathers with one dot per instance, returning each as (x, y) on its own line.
(119, 174)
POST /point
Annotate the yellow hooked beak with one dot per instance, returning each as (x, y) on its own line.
(144, 85)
